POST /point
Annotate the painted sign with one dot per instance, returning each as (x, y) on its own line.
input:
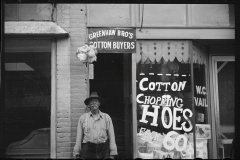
(163, 112)
(113, 40)
(200, 99)
(154, 145)
(164, 106)
(200, 93)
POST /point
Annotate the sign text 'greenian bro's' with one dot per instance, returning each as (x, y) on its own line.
(113, 40)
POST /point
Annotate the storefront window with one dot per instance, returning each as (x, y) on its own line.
(27, 95)
(164, 100)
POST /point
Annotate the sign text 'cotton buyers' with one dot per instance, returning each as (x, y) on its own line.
(113, 40)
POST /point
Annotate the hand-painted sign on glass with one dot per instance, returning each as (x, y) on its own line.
(200, 87)
(113, 40)
(163, 98)
(164, 101)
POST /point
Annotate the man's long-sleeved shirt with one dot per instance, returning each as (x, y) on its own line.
(95, 131)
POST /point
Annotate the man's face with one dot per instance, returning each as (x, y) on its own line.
(94, 104)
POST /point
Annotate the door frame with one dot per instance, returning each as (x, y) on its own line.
(215, 100)
(53, 120)
(134, 108)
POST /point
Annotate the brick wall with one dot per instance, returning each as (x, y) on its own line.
(71, 75)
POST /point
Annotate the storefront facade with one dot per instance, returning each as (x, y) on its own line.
(165, 91)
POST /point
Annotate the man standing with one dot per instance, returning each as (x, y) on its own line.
(95, 133)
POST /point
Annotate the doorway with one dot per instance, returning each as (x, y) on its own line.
(224, 93)
(112, 82)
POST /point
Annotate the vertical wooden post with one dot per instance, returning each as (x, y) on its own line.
(53, 145)
(88, 84)
(88, 87)
(192, 88)
(134, 106)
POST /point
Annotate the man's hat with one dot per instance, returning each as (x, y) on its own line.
(94, 95)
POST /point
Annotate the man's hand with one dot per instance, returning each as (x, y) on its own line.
(78, 156)
(111, 156)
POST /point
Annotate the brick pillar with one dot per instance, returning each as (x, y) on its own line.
(78, 32)
(71, 75)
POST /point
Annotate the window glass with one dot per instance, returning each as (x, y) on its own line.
(27, 91)
(202, 130)
(226, 101)
(164, 100)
